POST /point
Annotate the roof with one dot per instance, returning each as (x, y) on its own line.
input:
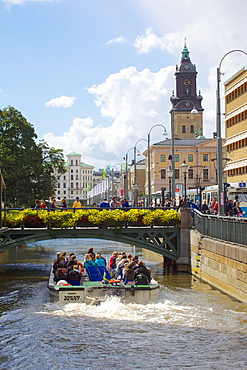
(86, 165)
(73, 153)
(183, 142)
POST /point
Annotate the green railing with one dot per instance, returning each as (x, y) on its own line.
(232, 229)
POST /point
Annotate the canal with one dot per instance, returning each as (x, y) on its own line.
(191, 326)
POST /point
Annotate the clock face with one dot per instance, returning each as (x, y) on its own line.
(186, 82)
(186, 66)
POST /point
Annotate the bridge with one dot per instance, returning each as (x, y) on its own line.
(162, 240)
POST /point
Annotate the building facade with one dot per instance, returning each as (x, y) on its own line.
(236, 126)
(199, 154)
(76, 181)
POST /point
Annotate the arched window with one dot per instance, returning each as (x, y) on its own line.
(183, 129)
(192, 129)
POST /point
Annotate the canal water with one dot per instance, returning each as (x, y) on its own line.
(191, 326)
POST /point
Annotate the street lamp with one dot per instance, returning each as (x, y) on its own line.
(126, 174)
(170, 175)
(149, 163)
(184, 167)
(135, 184)
(219, 138)
(193, 111)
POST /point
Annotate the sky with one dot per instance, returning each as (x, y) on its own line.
(95, 76)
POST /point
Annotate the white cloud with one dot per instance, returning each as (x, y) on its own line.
(132, 102)
(62, 102)
(149, 41)
(117, 40)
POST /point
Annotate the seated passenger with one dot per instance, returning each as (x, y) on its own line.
(100, 261)
(88, 261)
(128, 273)
(120, 266)
(74, 276)
(60, 275)
(142, 270)
(92, 254)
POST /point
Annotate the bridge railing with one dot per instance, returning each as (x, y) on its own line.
(232, 229)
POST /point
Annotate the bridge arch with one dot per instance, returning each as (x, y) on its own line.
(164, 241)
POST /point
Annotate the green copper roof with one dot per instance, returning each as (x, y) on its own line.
(185, 52)
(73, 153)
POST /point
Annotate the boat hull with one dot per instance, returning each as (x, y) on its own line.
(96, 292)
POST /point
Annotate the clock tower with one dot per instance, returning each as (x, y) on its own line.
(186, 125)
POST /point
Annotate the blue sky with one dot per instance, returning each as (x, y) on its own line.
(93, 76)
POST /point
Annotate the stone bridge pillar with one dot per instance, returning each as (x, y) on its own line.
(183, 262)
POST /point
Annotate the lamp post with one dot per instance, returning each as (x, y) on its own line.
(193, 111)
(184, 167)
(170, 175)
(219, 138)
(149, 163)
(126, 174)
(135, 184)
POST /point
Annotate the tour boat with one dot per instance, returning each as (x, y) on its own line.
(97, 291)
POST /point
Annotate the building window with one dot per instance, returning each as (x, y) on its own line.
(190, 157)
(163, 174)
(58, 177)
(192, 129)
(71, 171)
(190, 174)
(205, 157)
(64, 185)
(76, 185)
(72, 185)
(58, 185)
(162, 158)
(205, 174)
(71, 192)
(71, 177)
(177, 158)
(177, 173)
(71, 162)
(76, 171)
(58, 192)
(183, 129)
(76, 177)
(64, 192)
(64, 177)
(76, 162)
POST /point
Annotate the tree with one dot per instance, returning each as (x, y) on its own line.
(27, 166)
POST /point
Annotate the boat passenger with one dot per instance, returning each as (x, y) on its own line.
(88, 261)
(128, 273)
(141, 269)
(65, 257)
(74, 276)
(120, 266)
(56, 261)
(100, 261)
(113, 264)
(91, 252)
(60, 275)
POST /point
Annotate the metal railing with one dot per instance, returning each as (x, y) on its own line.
(232, 229)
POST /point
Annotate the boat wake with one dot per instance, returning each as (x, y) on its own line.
(168, 311)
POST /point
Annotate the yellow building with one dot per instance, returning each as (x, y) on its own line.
(199, 154)
(236, 126)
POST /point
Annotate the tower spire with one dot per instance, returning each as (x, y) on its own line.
(185, 53)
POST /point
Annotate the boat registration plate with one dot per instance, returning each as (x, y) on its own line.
(71, 298)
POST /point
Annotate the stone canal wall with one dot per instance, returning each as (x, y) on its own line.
(221, 264)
